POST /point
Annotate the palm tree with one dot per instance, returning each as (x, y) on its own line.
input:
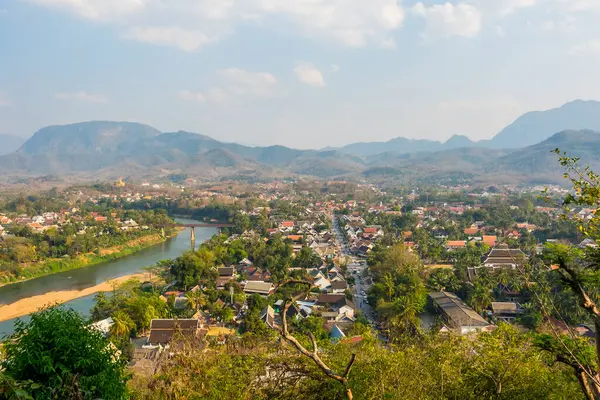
(390, 285)
(122, 324)
(196, 299)
(482, 297)
(227, 315)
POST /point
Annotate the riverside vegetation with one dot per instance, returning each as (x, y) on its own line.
(72, 238)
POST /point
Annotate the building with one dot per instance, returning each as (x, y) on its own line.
(338, 287)
(258, 287)
(338, 303)
(498, 258)
(457, 315)
(163, 330)
(506, 311)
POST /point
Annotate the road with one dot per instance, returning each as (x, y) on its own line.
(358, 269)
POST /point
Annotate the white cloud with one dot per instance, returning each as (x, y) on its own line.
(191, 96)
(186, 40)
(99, 10)
(5, 100)
(446, 20)
(235, 83)
(352, 23)
(81, 97)
(308, 74)
(508, 6)
(578, 5)
(591, 47)
(244, 82)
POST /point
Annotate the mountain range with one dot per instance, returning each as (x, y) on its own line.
(528, 129)
(103, 149)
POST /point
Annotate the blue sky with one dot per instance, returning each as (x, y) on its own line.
(302, 73)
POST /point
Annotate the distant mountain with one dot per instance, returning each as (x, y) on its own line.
(101, 150)
(402, 145)
(457, 142)
(527, 130)
(397, 145)
(96, 137)
(113, 146)
(540, 160)
(10, 143)
(536, 126)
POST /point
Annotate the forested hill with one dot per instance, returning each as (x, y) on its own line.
(105, 150)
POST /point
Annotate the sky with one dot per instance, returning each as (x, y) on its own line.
(300, 73)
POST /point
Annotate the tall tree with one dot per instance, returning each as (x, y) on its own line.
(63, 358)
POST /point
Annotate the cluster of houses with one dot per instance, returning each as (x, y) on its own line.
(361, 238)
(50, 220)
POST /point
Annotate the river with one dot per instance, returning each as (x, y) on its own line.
(82, 278)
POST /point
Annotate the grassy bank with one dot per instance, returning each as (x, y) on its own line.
(53, 266)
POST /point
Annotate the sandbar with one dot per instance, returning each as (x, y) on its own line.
(31, 304)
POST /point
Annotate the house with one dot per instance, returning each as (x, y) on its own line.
(258, 287)
(336, 333)
(506, 311)
(296, 238)
(163, 330)
(103, 326)
(268, 317)
(338, 287)
(471, 231)
(338, 303)
(455, 244)
(457, 315)
(490, 240)
(286, 225)
(226, 274)
(322, 283)
(500, 257)
(315, 273)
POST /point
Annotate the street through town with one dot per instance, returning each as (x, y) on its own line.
(358, 269)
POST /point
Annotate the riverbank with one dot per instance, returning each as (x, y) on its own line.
(26, 306)
(53, 266)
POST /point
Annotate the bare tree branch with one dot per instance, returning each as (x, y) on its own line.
(285, 334)
(349, 366)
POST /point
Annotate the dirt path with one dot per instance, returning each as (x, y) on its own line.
(31, 304)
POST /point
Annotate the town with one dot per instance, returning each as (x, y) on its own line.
(376, 263)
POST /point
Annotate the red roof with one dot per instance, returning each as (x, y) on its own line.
(490, 240)
(287, 224)
(370, 230)
(456, 243)
(471, 231)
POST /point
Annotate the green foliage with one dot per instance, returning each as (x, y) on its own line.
(56, 356)
(398, 293)
(307, 258)
(500, 365)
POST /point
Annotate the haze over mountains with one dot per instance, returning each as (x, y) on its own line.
(105, 148)
(528, 129)
(10, 143)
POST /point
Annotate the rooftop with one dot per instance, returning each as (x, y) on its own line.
(458, 312)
